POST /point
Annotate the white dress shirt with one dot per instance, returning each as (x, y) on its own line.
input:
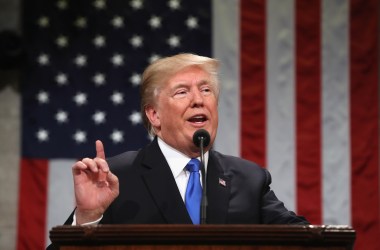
(177, 162)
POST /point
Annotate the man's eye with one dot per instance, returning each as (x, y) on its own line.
(206, 90)
(180, 93)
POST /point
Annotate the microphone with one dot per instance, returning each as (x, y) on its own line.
(201, 139)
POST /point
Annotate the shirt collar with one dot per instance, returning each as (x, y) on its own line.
(176, 160)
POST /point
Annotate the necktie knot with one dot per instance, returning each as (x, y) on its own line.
(193, 165)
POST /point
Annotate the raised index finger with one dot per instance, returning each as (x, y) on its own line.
(100, 150)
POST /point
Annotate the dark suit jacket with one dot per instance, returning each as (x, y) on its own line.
(238, 192)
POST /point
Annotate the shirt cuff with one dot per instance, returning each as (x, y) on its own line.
(91, 223)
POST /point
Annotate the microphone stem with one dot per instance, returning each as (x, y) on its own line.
(204, 190)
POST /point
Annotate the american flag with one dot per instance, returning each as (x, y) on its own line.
(85, 60)
(300, 96)
(81, 83)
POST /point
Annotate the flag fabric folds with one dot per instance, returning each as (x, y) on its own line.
(306, 105)
(300, 96)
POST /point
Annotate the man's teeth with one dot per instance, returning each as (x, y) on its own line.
(198, 119)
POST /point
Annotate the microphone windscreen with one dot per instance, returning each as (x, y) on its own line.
(198, 135)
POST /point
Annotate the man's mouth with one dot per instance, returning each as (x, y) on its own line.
(198, 119)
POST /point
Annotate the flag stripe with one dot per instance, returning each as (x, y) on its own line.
(308, 88)
(32, 204)
(364, 76)
(226, 49)
(253, 73)
(280, 111)
(335, 117)
(59, 207)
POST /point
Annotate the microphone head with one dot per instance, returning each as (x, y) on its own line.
(198, 135)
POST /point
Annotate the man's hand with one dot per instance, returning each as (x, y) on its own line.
(94, 185)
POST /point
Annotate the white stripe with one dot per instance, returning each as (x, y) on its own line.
(60, 193)
(10, 125)
(281, 99)
(226, 49)
(335, 113)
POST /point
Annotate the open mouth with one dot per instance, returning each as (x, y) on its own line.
(198, 119)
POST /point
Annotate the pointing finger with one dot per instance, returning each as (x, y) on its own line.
(102, 164)
(100, 150)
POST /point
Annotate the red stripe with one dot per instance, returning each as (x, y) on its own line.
(364, 94)
(308, 109)
(32, 204)
(253, 79)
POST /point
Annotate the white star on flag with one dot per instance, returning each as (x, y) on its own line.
(80, 136)
(192, 22)
(135, 79)
(42, 135)
(80, 99)
(43, 59)
(174, 4)
(62, 41)
(99, 79)
(62, 4)
(135, 118)
(174, 41)
(99, 41)
(153, 58)
(117, 22)
(99, 4)
(117, 98)
(43, 22)
(81, 22)
(117, 60)
(136, 41)
(61, 79)
(155, 22)
(99, 117)
(61, 116)
(117, 136)
(43, 97)
(136, 4)
(80, 60)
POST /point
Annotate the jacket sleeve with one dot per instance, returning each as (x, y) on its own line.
(273, 210)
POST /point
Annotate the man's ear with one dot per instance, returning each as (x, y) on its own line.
(153, 116)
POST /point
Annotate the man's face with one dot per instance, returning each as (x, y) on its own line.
(185, 104)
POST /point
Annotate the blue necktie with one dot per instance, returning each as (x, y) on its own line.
(193, 195)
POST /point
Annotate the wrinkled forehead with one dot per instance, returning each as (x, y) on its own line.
(189, 75)
(174, 78)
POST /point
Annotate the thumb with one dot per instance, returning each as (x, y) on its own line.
(100, 150)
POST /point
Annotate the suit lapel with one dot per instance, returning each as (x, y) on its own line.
(218, 191)
(162, 186)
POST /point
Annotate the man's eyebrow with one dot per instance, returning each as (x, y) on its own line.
(179, 85)
(185, 84)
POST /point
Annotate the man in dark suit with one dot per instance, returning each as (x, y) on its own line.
(179, 95)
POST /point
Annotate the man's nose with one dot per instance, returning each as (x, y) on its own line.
(197, 97)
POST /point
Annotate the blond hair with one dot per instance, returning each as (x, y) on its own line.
(157, 74)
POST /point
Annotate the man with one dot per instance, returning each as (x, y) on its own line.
(179, 96)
